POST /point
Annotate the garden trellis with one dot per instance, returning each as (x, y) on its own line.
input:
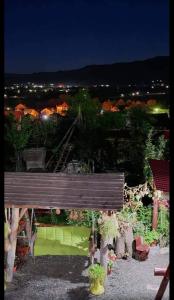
(24, 190)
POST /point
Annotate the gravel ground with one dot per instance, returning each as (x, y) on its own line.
(65, 278)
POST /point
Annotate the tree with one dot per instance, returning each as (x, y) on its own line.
(18, 135)
(86, 107)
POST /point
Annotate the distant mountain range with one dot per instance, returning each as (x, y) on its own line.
(118, 73)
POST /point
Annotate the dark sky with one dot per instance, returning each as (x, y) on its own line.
(52, 35)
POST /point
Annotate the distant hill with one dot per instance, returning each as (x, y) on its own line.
(117, 73)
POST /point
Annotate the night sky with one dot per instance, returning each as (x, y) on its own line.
(52, 35)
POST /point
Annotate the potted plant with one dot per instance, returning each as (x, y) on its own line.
(97, 275)
(112, 257)
(110, 265)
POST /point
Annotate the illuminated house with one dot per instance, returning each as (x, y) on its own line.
(61, 109)
(20, 107)
(32, 112)
(107, 105)
(47, 111)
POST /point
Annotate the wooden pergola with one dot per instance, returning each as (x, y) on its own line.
(23, 191)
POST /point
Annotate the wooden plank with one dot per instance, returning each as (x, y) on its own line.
(69, 206)
(65, 193)
(50, 174)
(65, 203)
(61, 184)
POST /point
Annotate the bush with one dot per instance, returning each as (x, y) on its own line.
(96, 272)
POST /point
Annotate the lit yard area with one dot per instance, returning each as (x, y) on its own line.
(65, 278)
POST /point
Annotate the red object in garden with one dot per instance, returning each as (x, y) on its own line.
(18, 115)
(22, 250)
(160, 170)
(141, 251)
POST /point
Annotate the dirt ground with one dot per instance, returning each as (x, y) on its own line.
(65, 278)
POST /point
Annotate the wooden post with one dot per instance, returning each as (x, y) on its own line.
(28, 228)
(31, 237)
(11, 253)
(104, 254)
(155, 213)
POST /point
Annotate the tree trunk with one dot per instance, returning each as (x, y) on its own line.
(104, 253)
(28, 230)
(129, 240)
(11, 253)
(120, 246)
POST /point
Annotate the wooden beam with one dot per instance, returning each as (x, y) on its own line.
(22, 212)
(31, 237)
(163, 285)
(11, 253)
(160, 271)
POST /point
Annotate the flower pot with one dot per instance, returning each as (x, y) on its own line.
(96, 287)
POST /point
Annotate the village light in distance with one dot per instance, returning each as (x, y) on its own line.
(45, 117)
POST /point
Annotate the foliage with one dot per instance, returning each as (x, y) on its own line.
(84, 219)
(43, 133)
(108, 227)
(163, 226)
(144, 215)
(151, 236)
(109, 120)
(139, 120)
(86, 107)
(96, 271)
(127, 217)
(53, 218)
(17, 136)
